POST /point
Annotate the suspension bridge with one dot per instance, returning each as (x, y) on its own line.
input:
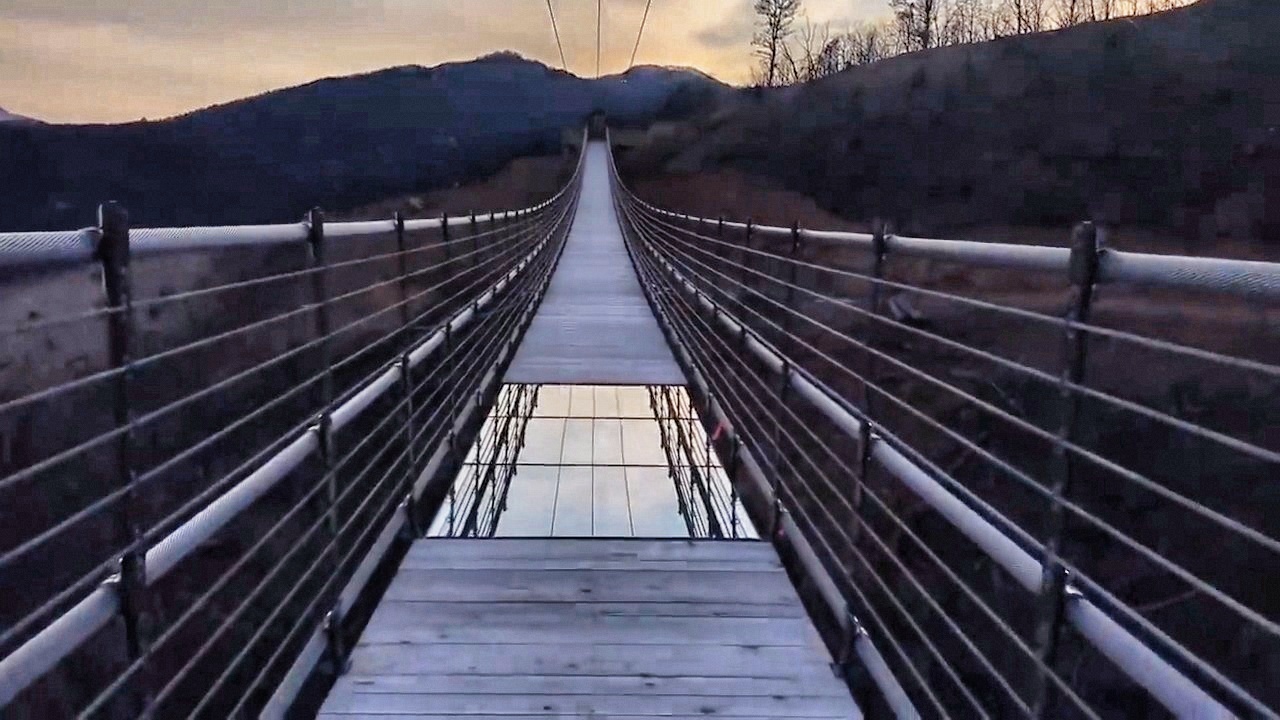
(595, 458)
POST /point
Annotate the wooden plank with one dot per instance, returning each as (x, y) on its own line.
(397, 623)
(695, 565)
(594, 326)
(590, 549)
(600, 585)
(625, 629)
(739, 660)
(593, 716)
(777, 706)
(437, 684)
(481, 612)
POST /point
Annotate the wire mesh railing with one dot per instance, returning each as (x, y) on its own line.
(1024, 481)
(201, 471)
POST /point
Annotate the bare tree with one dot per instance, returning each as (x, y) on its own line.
(1102, 9)
(774, 21)
(967, 21)
(802, 59)
(1028, 15)
(917, 22)
(922, 24)
(867, 43)
(1154, 6)
(1069, 13)
(835, 56)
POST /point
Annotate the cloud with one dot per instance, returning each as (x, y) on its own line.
(118, 60)
(735, 29)
(183, 17)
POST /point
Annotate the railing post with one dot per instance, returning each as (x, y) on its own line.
(323, 428)
(411, 448)
(475, 236)
(478, 393)
(1086, 252)
(320, 297)
(114, 255)
(731, 465)
(785, 387)
(506, 224)
(789, 320)
(848, 648)
(402, 253)
(879, 250)
(451, 451)
(707, 472)
(775, 481)
(744, 255)
(732, 472)
(337, 643)
(493, 224)
(446, 240)
(444, 276)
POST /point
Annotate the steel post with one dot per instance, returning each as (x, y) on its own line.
(1086, 254)
(114, 256)
(402, 256)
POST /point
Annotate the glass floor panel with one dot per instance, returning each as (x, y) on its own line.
(592, 461)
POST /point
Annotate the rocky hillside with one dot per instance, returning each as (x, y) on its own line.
(1168, 121)
(338, 143)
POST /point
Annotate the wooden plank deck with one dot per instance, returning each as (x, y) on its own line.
(595, 628)
(594, 326)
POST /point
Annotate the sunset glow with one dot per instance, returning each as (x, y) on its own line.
(115, 61)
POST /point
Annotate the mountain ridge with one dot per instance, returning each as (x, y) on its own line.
(8, 117)
(336, 142)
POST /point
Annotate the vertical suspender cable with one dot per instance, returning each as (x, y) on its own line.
(555, 29)
(598, 10)
(643, 19)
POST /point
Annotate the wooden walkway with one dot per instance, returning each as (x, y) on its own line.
(594, 326)
(564, 628)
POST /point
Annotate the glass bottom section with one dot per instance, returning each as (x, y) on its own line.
(592, 461)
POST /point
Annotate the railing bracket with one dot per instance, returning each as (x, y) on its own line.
(336, 643)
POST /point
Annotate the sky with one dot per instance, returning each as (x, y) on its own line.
(121, 60)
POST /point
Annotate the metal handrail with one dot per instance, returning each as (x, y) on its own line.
(21, 249)
(679, 263)
(535, 232)
(1247, 278)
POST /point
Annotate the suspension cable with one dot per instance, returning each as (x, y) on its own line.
(555, 29)
(643, 19)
